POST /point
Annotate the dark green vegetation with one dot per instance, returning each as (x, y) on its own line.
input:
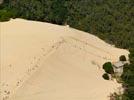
(128, 78)
(111, 20)
(105, 76)
(108, 68)
(122, 58)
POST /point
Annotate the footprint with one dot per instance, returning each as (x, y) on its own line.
(43, 49)
(44, 54)
(7, 92)
(4, 84)
(38, 59)
(10, 65)
(17, 84)
(5, 98)
(34, 58)
(33, 68)
(53, 46)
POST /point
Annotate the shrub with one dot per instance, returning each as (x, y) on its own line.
(105, 76)
(108, 68)
(6, 14)
(122, 58)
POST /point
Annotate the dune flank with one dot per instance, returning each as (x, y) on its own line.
(43, 61)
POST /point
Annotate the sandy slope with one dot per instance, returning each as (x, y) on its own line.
(42, 61)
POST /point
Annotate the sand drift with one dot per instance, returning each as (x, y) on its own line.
(42, 61)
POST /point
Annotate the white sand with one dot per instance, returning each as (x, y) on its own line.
(42, 61)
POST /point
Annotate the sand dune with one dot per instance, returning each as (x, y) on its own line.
(42, 61)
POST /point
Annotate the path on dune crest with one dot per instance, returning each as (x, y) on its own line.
(53, 62)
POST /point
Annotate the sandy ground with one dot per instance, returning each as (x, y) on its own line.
(42, 61)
